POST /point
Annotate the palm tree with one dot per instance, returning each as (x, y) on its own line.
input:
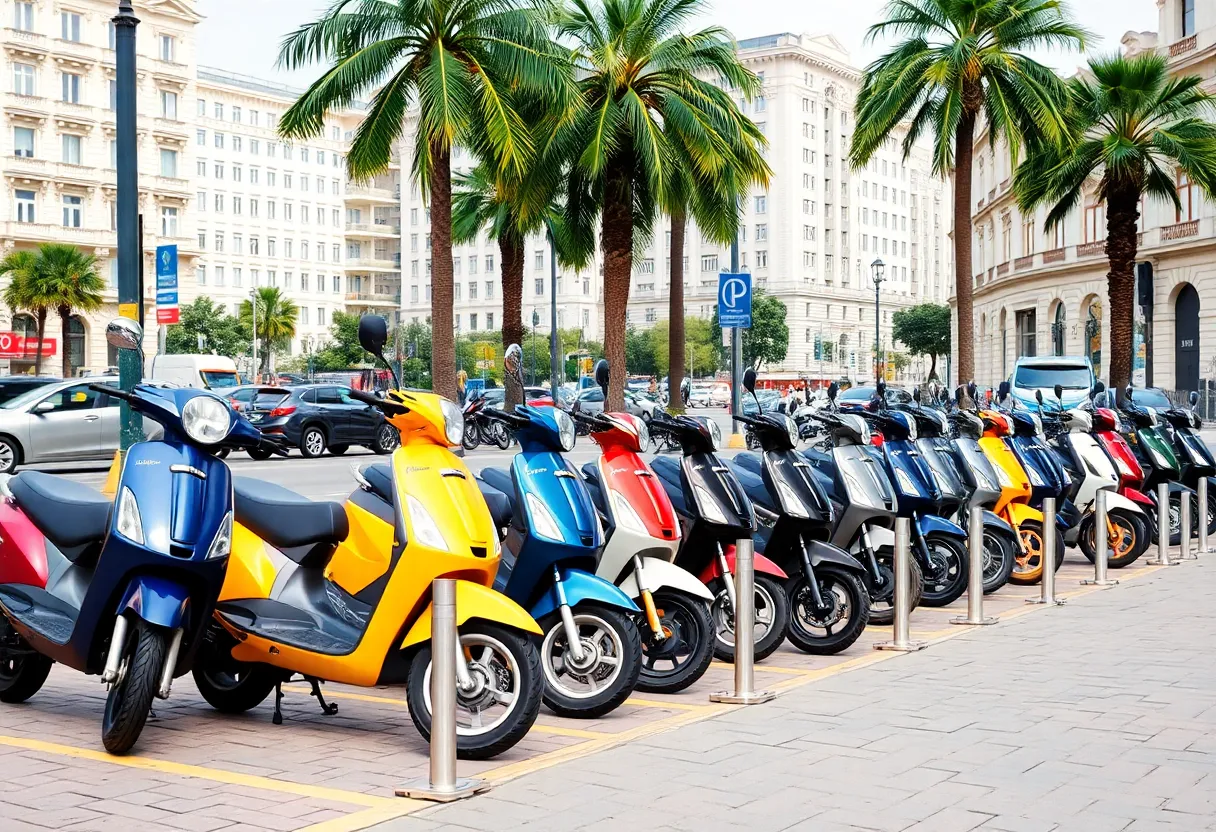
(1132, 127)
(643, 103)
(960, 62)
(68, 277)
(462, 65)
(276, 321)
(26, 291)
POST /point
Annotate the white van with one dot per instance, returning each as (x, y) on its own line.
(207, 372)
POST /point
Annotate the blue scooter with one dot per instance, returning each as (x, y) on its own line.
(591, 654)
(123, 588)
(939, 546)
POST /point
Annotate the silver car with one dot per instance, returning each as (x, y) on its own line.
(61, 422)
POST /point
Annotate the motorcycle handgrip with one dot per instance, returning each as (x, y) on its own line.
(389, 408)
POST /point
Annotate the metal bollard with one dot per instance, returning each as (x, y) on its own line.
(903, 592)
(975, 577)
(443, 786)
(1202, 507)
(1184, 537)
(1101, 543)
(1163, 527)
(1047, 583)
(745, 625)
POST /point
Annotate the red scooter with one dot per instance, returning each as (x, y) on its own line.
(1131, 473)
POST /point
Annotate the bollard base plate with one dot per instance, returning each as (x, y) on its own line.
(756, 697)
(983, 622)
(421, 789)
(1058, 602)
(907, 647)
(1096, 582)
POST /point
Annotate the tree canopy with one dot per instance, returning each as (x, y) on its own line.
(925, 330)
(768, 340)
(221, 333)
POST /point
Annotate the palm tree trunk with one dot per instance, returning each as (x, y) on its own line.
(65, 316)
(511, 253)
(41, 334)
(1122, 211)
(964, 137)
(443, 334)
(675, 313)
(617, 241)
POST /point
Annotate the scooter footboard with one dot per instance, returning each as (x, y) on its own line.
(660, 574)
(475, 601)
(158, 601)
(579, 586)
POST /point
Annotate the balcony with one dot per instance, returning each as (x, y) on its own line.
(1002, 269)
(373, 264)
(1094, 249)
(1183, 46)
(1056, 255)
(36, 232)
(373, 298)
(1180, 231)
(25, 43)
(75, 51)
(1022, 263)
(369, 193)
(23, 166)
(355, 229)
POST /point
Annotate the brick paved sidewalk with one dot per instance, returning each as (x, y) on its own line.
(1100, 715)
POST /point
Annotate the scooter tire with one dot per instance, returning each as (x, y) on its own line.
(949, 589)
(500, 738)
(1029, 577)
(1001, 549)
(243, 694)
(500, 435)
(885, 615)
(608, 698)
(1138, 529)
(471, 438)
(838, 582)
(22, 677)
(765, 587)
(130, 700)
(688, 619)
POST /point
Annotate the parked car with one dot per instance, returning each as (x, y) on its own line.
(317, 418)
(1074, 373)
(719, 395)
(862, 395)
(13, 386)
(62, 421)
(768, 401)
(205, 372)
(239, 398)
(700, 395)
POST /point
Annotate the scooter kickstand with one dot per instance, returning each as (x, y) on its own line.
(327, 708)
(277, 719)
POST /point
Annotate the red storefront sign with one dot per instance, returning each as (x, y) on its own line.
(13, 345)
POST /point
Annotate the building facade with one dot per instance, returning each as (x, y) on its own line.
(1044, 293)
(59, 149)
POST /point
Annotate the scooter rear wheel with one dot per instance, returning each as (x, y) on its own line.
(772, 608)
(1000, 553)
(683, 656)
(22, 672)
(130, 697)
(837, 629)
(471, 438)
(229, 686)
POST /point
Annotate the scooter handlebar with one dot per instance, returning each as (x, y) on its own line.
(389, 408)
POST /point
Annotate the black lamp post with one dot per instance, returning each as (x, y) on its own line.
(535, 321)
(877, 266)
(130, 292)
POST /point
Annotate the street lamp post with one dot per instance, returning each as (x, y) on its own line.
(130, 292)
(535, 321)
(877, 266)
(554, 366)
(253, 318)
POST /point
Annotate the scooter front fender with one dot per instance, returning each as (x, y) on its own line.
(156, 600)
(931, 523)
(660, 574)
(992, 521)
(760, 564)
(475, 601)
(1116, 500)
(825, 554)
(1138, 496)
(1020, 512)
(580, 586)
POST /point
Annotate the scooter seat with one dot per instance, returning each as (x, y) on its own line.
(287, 520)
(379, 478)
(72, 515)
(499, 478)
(502, 506)
(753, 486)
(749, 461)
(668, 472)
(591, 473)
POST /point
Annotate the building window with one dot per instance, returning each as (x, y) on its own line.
(761, 232)
(1188, 18)
(168, 163)
(23, 79)
(71, 149)
(709, 263)
(539, 288)
(23, 142)
(168, 47)
(1095, 223)
(762, 259)
(219, 110)
(73, 207)
(539, 260)
(69, 26)
(25, 206)
(168, 105)
(71, 87)
(761, 204)
(168, 222)
(1188, 195)
(23, 17)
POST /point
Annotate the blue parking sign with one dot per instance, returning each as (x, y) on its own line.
(166, 267)
(735, 300)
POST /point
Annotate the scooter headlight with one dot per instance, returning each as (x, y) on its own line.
(905, 482)
(1035, 478)
(1159, 458)
(130, 525)
(625, 516)
(792, 429)
(453, 422)
(542, 519)
(565, 431)
(708, 505)
(206, 419)
(715, 434)
(643, 434)
(423, 525)
(221, 544)
(1002, 476)
(793, 504)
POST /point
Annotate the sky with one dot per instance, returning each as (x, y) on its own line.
(243, 35)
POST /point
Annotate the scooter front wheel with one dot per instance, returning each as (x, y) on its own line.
(130, 696)
(22, 671)
(882, 596)
(608, 671)
(772, 610)
(846, 610)
(471, 438)
(684, 653)
(1128, 544)
(504, 700)
(1028, 568)
(1000, 555)
(946, 576)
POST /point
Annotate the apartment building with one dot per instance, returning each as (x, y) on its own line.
(809, 238)
(59, 150)
(1040, 293)
(275, 213)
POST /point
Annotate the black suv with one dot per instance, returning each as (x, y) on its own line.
(319, 417)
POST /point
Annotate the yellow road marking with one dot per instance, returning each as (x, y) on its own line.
(368, 817)
(762, 668)
(658, 703)
(216, 775)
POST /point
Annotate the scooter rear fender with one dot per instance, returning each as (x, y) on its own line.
(1116, 500)
(660, 574)
(760, 564)
(580, 586)
(475, 601)
(156, 600)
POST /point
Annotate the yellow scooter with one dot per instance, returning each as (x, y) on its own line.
(342, 593)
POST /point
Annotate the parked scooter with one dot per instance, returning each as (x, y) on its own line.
(641, 539)
(715, 512)
(1153, 448)
(121, 587)
(1108, 432)
(1182, 426)
(829, 603)
(591, 654)
(342, 593)
(478, 428)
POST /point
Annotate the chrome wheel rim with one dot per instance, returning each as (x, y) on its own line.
(496, 689)
(7, 457)
(604, 651)
(314, 442)
(724, 616)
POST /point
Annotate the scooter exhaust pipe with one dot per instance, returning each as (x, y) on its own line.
(166, 672)
(118, 640)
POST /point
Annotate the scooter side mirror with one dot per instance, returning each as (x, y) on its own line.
(1038, 397)
(1098, 387)
(972, 389)
(513, 361)
(1002, 391)
(749, 380)
(1129, 392)
(916, 395)
(1194, 398)
(833, 391)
